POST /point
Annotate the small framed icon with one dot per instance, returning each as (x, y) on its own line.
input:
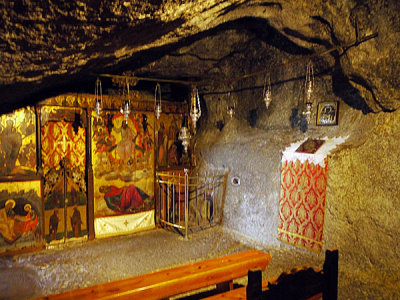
(327, 113)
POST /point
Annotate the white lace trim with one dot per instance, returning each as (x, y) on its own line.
(290, 154)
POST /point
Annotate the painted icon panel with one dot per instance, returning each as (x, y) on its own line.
(18, 143)
(169, 148)
(21, 215)
(123, 163)
(63, 160)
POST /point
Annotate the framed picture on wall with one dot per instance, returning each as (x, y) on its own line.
(327, 113)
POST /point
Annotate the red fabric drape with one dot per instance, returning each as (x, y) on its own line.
(302, 204)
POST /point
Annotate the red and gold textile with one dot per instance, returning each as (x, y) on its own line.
(302, 204)
(60, 140)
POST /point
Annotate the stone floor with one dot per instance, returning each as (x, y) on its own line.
(76, 265)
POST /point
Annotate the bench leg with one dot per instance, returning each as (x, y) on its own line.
(254, 284)
(330, 291)
(224, 286)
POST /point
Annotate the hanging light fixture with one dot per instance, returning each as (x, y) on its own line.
(98, 95)
(308, 97)
(125, 109)
(184, 135)
(157, 101)
(195, 109)
(267, 91)
(231, 106)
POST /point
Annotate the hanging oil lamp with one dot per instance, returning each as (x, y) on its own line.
(267, 91)
(231, 111)
(98, 95)
(309, 87)
(184, 135)
(157, 101)
(125, 109)
(195, 109)
(231, 107)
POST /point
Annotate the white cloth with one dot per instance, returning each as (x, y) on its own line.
(124, 224)
(290, 154)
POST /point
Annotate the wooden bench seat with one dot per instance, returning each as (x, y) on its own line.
(174, 281)
(302, 283)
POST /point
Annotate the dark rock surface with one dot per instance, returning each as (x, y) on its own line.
(59, 47)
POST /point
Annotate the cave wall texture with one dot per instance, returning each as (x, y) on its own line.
(362, 212)
(362, 186)
(362, 204)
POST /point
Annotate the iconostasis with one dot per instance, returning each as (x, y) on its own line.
(90, 175)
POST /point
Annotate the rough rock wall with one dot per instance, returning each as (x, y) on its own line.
(362, 215)
(363, 218)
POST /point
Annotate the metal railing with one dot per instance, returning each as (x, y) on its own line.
(190, 203)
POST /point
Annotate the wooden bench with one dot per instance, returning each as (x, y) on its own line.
(304, 283)
(219, 271)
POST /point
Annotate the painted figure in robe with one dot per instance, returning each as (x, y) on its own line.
(13, 226)
(31, 219)
(76, 222)
(125, 199)
(53, 225)
(10, 143)
(126, 147)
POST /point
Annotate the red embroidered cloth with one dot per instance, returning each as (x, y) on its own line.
(59, 140)
(302, 204)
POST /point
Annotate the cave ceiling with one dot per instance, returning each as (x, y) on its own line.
(61, 46)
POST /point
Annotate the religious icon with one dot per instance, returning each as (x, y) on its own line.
(20, 214)
(64, 162)
(124, 150)
(310, 146)
(18, 143)
(123, 164)
(327, 113)
(169, 148)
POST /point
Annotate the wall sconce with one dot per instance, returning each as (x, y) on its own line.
(98, 96)
(184, 136)
(125, 109)
(195, 109)
(309, 87)
(267, 91)
(157, 101)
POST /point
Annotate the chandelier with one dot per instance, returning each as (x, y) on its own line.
(267, 91)
(125, 109)
(195, 109)
(308, 97)
(98, 95)
(157, 101)
(184, 136)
